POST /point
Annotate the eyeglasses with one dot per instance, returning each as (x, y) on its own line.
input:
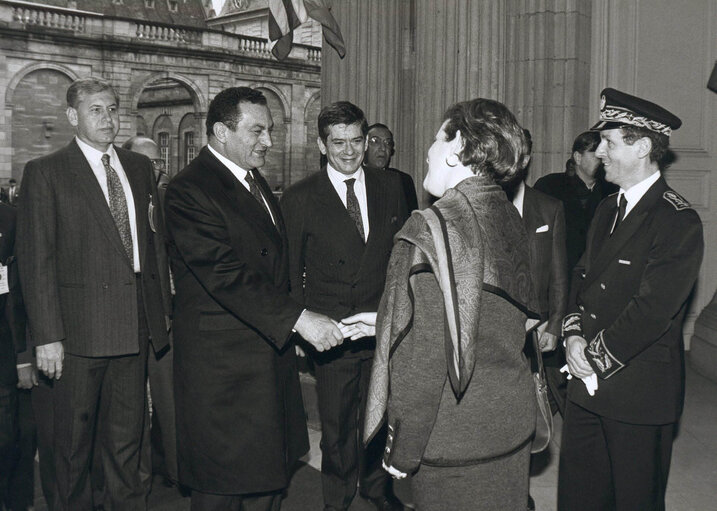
(159, 164)
(375, 141)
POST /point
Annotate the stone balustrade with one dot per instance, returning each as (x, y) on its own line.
(17, 14)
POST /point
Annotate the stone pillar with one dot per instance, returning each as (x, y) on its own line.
(548, 75)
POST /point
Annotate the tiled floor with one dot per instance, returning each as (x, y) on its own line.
(692, 485)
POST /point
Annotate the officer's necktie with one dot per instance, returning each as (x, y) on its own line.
(255, 191)
(353, 207)
(620, 215)
(118, 206)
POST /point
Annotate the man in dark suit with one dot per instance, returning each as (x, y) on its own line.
(379, 150)
(240, 417)
(92, 267)
(624, 330)
(341, 222)
(12, 340)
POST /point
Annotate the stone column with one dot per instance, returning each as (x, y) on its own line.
(548, 76)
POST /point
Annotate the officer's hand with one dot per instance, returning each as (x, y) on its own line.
(318, 330)
(548, 341)
(49, 359)
(26, 377)
(574, 353)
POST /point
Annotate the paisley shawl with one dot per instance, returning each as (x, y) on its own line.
(473, 241)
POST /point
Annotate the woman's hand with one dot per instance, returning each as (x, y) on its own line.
(359, 325)
(397, 474)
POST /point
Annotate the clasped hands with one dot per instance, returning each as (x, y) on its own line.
(323, 333)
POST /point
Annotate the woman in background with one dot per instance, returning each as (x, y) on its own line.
(449, 368)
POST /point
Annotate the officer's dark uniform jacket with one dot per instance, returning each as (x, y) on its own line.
(628, 300)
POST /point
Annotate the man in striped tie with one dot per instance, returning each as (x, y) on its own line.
(95, 281)
(340, 223)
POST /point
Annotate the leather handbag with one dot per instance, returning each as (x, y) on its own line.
(544, 416)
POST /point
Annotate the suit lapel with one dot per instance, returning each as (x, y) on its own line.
(242, 199)
(611, 245)
(530, 212)
(86, 182)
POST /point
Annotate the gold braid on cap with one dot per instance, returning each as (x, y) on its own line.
(615, 114)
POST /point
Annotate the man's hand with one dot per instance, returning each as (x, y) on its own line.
(359, 325)
(574, 353)
(318, 330)
(49, 359)
(547, 341)
(26, 377)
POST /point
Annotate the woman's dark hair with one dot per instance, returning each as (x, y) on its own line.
(493, 141)
(586, 142)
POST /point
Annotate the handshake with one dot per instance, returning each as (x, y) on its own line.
(323, 333)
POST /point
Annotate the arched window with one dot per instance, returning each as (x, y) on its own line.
(190, 150)
(163, 143)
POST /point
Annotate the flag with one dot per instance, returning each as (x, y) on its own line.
(286, 15)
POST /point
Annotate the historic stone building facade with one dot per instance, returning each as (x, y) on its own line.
(165, 72)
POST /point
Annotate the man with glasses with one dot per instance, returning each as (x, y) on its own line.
(379, 150)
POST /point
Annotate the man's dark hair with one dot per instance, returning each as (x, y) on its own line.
(225, 107)
(341, 112)
(379, 125)
(660, 152)
(528, 140)
(586, 142)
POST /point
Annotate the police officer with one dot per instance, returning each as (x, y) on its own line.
(624, 327)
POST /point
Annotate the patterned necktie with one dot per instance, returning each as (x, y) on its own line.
(255, 191)
(353, 207)
(118, 206)
(620, 215)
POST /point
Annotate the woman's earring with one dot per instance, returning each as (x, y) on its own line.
(454, 165)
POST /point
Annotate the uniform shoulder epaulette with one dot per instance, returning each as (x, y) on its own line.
(676, 200)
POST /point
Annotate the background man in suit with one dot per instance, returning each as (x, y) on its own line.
(625, 324)
(544, 220)
(581, 188)
(379, 150)
(12, 340)
(159, 445)
(240, 417)
(91, 269)
(341, 222)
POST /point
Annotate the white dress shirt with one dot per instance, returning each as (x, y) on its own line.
(338, 180)
(635, 193)
(519, 197)
(240, 174)
(94, 158)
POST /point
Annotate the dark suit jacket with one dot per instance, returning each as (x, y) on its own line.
(545, 224)
(12, 313)
(332, 270)
(633, 288)
(240, 416)
(79, 285)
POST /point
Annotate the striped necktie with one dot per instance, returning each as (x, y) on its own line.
(353, 206)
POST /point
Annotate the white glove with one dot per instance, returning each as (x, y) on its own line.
(591, 382)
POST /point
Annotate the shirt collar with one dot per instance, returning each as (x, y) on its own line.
(519, 197)
(635, 192)
(92, 154)
(337, 177)
(235, 169)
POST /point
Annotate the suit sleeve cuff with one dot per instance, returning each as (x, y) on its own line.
(573, 325)
(600, 359)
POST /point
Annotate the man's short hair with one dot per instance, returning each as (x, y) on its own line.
(340, 112)
(84, 86)
(225, 108)
(130, 142)
(379, 125)
(660, 152)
